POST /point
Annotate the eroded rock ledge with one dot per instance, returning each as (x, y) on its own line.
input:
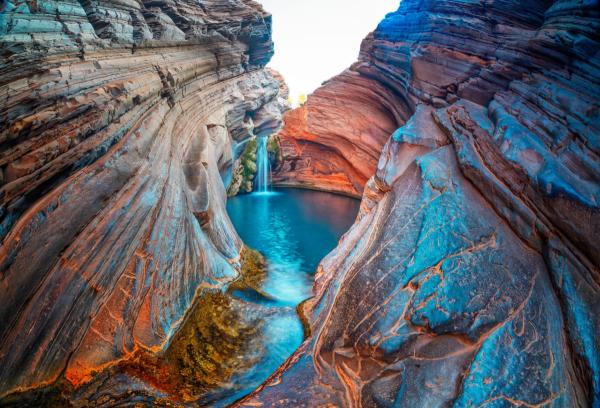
(333, 141)
(471, 277)
(119, 122)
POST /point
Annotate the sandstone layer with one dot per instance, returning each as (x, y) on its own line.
(119, 123)
(471, 277)
(333, 141)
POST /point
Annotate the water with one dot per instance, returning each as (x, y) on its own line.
(263, 165)
(294, 229)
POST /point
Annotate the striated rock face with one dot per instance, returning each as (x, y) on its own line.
(260, 123)
(471, 277)
(118, 122)
(333, 141)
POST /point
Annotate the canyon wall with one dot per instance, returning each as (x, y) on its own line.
(333, 141)
(471, 276)
(119, 121)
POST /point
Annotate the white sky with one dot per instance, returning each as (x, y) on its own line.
(317, 39)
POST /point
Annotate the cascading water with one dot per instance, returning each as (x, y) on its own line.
(263, 165)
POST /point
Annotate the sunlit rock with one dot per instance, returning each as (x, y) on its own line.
(326, 150)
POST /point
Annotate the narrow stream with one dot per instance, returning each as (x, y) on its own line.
(294, 229)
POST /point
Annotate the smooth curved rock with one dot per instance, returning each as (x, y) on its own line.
(118, 124)
(333, 141)
(471, 277)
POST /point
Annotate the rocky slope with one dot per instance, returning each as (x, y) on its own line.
(119, 121)
(471, 277)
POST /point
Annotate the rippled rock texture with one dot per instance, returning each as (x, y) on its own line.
(119, 121)
(333, 141)
(471, 277)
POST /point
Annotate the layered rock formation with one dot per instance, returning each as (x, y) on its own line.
(333, 141)
(118, 125)
(471, 277)
(265, 123)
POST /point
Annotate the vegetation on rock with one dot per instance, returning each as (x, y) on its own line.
(245, 167)
(274, 150)
(244, 170)
(253, 271)
(205, 353)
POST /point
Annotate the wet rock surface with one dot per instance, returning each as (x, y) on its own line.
(471, 278)
(119, 126)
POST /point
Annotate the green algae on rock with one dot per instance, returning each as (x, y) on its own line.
(206, 351)
(253, 272)
(244, 170)
(274, 150)
(217, 340)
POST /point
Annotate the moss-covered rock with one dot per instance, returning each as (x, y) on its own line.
(253, 272)
(216, 341)
(248, 160)
(274, 150)
(244, 170)
(206, 351)
(245, 167)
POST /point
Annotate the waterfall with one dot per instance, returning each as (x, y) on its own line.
(263, 165)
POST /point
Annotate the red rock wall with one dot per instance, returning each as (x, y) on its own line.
(118, 121)
(333, 141)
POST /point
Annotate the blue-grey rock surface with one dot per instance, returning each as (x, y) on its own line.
(471, 277)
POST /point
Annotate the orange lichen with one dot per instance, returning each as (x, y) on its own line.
(253, 272)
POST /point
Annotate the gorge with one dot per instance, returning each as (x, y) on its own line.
(135, 270)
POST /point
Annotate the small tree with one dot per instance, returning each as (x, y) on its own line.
(301, 99)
